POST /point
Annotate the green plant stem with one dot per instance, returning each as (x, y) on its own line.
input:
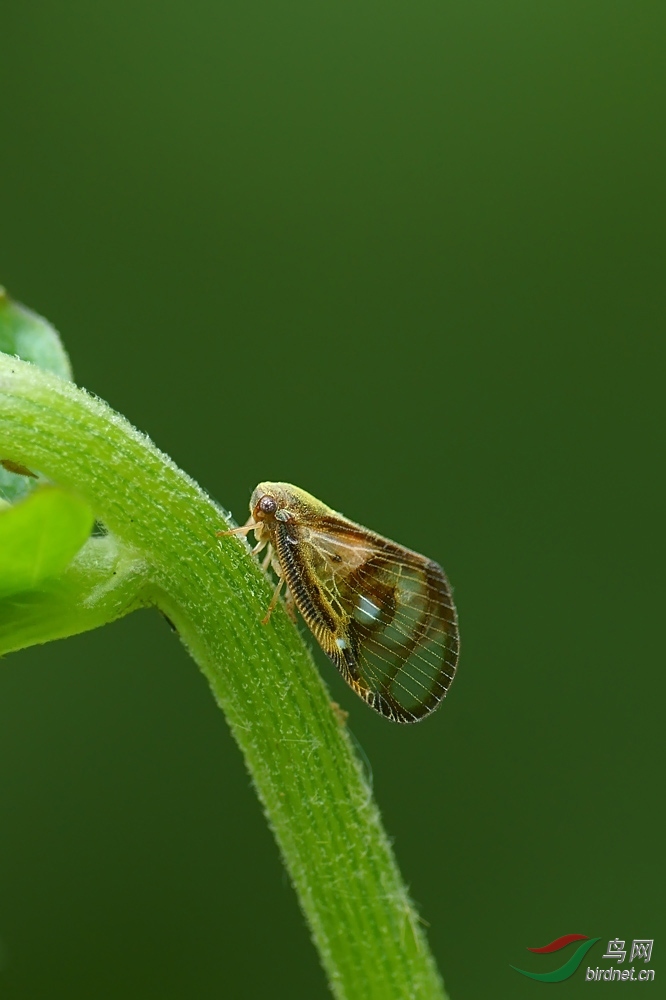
(301, 760)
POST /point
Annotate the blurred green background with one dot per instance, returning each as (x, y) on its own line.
(411, 258)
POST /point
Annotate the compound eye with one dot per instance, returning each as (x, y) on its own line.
(268, 505)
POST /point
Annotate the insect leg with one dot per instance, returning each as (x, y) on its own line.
(249, 525)
(243, 530)
(274, 600)
(267, 558)
(290, 605)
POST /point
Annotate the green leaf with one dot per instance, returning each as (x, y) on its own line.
(40, 536)
(32, 338)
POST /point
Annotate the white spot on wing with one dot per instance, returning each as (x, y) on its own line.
(366, 611)
(340, 643)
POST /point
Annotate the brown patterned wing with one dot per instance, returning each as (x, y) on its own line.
(383, 614)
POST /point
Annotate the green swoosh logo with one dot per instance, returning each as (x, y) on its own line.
(564, 971)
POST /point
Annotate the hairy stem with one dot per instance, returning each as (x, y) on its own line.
(303, 766)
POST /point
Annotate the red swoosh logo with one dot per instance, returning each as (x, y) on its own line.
(558, 943)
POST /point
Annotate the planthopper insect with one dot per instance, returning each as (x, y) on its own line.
(382, 613)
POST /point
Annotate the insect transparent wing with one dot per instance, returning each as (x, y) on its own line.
(398, 637)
